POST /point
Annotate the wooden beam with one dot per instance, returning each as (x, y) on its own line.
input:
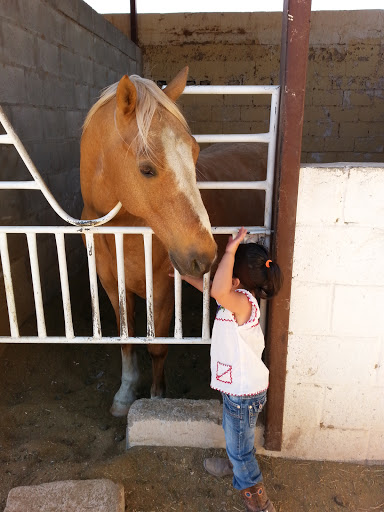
(293, 71)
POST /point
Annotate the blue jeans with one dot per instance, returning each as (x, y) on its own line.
(239, 421)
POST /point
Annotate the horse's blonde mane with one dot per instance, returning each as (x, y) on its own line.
(149, 97)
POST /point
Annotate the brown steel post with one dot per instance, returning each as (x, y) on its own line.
(133, 19)
(293, 70)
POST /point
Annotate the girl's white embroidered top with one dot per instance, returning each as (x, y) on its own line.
(236, 350)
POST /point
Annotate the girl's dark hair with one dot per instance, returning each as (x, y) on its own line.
(250, 267)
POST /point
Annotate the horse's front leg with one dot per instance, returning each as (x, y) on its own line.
(126, 394)
(163, 309)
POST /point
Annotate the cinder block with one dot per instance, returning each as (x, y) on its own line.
(338, 143)
(354, 130)
(48, 56)
(324, 443)
(327, 360)
(178, 422)
(34, 86)
(328, 98)
(365, 187)
(375, 451)
(12, 85)
(68, 496)
(18, 46)
(353, 407)
(320, 257)
(357, 308)
(311, 305)
(306, 400)
(175, 422)
(315, 184)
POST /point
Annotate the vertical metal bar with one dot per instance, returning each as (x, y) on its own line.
(293, 68)
(32, 247)
(60, 244)
(8, 286)
(271, 158)
(149, 284)
(119, 240)
(178, 306)
(206, 298)
(93, 285)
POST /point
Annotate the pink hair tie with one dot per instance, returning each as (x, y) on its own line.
(267, 263)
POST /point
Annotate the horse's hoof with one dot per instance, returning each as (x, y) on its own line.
(119, 410)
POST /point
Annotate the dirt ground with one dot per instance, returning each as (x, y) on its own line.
(55, 425)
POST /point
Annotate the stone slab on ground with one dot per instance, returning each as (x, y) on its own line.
(68, 496)
(178, 422)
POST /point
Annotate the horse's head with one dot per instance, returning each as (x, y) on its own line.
(149, 156)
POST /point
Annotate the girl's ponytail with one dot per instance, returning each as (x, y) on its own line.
(256, 272)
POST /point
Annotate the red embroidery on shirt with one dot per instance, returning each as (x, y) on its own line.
(224, 373)
(252, 318)
(244, 394)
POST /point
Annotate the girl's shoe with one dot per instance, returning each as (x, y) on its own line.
(256, 499)
(218, 467)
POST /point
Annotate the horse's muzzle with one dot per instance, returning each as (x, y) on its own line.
(195, 265)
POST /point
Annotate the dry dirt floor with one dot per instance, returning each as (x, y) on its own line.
(55, 425)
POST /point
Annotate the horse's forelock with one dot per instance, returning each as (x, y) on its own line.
(149, 97)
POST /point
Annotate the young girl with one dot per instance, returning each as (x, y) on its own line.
(237, 370)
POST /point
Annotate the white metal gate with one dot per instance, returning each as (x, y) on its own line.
(91, 227)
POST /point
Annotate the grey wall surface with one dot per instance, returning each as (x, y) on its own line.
(55, 57)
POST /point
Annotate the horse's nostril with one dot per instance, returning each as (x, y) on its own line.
(199, 267)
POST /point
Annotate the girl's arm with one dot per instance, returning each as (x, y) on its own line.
(224, 285)
(197, 282)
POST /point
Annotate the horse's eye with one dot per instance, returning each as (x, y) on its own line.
(147, 170)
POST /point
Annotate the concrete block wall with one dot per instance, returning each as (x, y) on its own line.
(55, 58)
(334, 401)
(344, 115)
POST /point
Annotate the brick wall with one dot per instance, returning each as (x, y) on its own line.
(55, 58)
(334, 407)
(344, 114)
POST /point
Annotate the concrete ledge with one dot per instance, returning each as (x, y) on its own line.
(178, 422)
(68, 496)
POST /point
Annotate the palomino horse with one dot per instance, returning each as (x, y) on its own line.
(136, 148)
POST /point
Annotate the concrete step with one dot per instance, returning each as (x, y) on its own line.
(178, 422)
(68, 496)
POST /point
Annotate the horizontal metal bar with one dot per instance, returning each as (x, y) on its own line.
(105, 341)
(222, 230)
(6, 139)
(19, 185)
(234, 137)
(231, 89)
(75, 230)
(232, 185)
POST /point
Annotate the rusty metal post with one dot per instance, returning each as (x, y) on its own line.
(133, 20)
(293, 70)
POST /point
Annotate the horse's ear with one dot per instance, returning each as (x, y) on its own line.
(126, 96)
(176, 87)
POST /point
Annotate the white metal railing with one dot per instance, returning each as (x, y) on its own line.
(89, 228)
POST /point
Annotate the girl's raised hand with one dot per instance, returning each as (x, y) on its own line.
(233, 243)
